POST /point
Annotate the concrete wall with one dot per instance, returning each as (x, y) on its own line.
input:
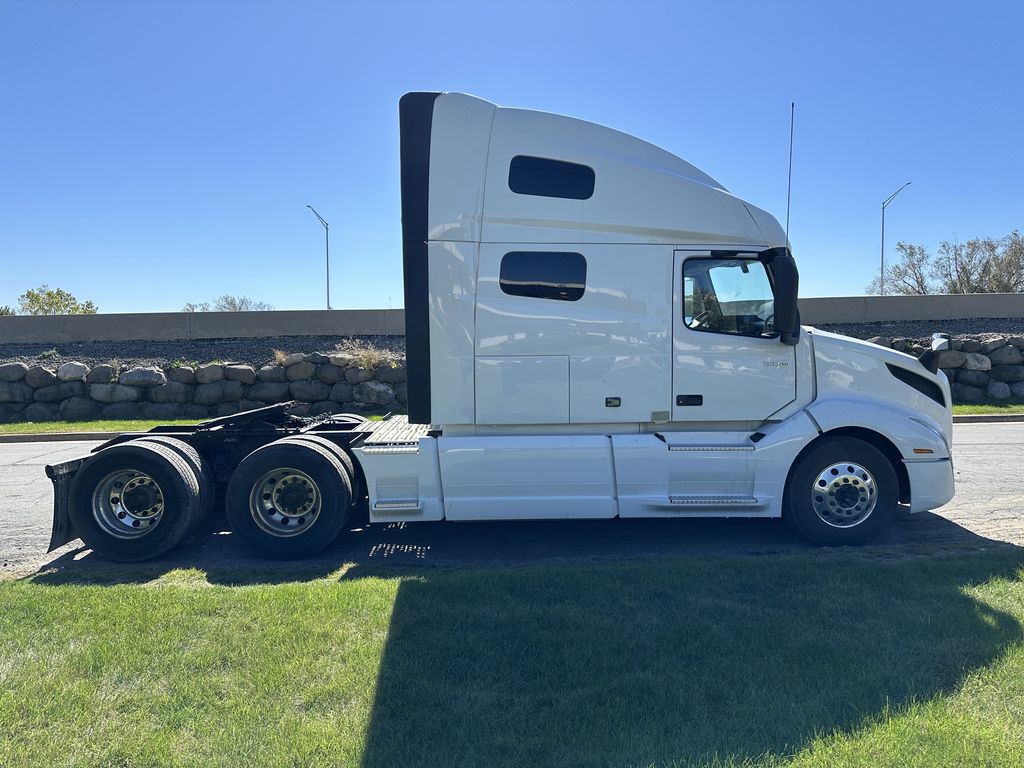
(869, 309)
(169, 326)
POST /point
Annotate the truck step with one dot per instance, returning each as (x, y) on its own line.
(401, 448)
(396, 430)
(385, 506)
(698, 502)
(710, 447)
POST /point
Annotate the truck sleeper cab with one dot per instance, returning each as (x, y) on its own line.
(595, 328)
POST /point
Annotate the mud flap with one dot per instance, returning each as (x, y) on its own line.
(60, 475)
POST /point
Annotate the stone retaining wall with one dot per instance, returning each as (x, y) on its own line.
(990, 367)
(75, 392)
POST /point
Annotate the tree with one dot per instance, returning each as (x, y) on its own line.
(981, 265)
(229, 303)
(909, 275)
(959, 267)
(1004, 272)
(5, 310)
(53, 301)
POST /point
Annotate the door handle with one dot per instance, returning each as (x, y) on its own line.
(689, 399)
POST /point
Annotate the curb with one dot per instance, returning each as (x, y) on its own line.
(988, 418)
(56, 437)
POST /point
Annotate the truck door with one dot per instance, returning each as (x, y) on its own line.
(728, 363)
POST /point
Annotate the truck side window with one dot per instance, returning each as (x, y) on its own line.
(556, 275)
(728, 295)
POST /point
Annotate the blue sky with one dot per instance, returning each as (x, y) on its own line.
(155, 153)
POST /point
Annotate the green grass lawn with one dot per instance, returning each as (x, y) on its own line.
(124, 425)
(818, 659)
(990, 407)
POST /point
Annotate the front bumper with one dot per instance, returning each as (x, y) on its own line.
(931, 483)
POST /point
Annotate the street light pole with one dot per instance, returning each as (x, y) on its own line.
(881, 268)
(327, 250)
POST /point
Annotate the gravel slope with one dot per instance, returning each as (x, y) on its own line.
(923, 329)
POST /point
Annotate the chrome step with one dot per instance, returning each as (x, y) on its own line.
(395, 430)
(712, 501)
(373, 450)
(397, 505)
(709, 447)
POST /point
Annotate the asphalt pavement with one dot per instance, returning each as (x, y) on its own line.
(988, 510)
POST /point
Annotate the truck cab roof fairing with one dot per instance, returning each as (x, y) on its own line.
(416, 114)
(641, 193)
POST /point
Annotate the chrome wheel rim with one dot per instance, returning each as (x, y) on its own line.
(285, 502)
(844, 494)
(128, 504)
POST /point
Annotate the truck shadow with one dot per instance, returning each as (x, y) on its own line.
(674, 661)
(389, 548)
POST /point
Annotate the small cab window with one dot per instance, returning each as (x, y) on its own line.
(550, 178)
(728, 295)
(556, 275)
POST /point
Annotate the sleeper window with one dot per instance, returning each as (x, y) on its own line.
(550, 178)
(556, 275)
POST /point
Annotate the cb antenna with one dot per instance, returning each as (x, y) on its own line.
(789, 182)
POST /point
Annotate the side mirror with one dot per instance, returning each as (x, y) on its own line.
(930, 358)
(786, 283)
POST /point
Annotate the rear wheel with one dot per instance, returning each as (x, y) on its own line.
(290, 498)
(343, 456)
(192, 457)
(359, 514)
(134, 501)
(843, 491)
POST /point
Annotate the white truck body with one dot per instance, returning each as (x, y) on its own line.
(594, 329)
(591, 333)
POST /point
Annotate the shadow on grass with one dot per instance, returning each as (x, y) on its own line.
(677, 661)
(385, 547)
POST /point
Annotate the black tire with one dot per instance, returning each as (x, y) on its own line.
(878, 482)
(173, 477)
(359, 514)
(343, 456)
(333, 489)
(192, 457)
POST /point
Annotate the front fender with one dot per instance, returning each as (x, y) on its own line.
(905, 428)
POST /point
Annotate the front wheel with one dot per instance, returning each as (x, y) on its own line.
(843, 491)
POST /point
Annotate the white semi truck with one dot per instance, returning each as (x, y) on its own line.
(595, 328)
